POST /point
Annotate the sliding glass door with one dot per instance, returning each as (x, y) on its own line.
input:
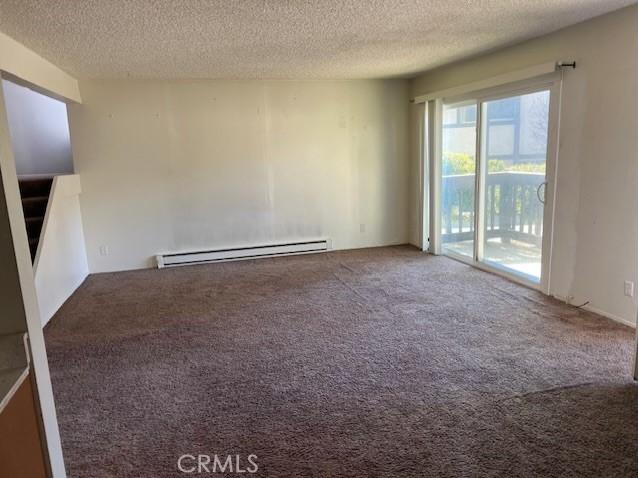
(494, 176)
(458, 167)
(514, 154)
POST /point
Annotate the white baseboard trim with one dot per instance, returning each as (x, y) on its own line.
(595, 310)
(613, 317)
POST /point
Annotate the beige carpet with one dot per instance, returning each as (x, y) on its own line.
(377, 362)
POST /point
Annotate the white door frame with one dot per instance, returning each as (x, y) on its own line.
(421, 131)
(551, 83)
(435, 133)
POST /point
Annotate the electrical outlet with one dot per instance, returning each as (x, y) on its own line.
(362, 228)
(629, 288)
(104, 250)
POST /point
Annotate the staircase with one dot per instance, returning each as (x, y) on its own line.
(35, 197)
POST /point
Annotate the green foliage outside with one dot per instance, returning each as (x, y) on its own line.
(457, 163)
(463, 163)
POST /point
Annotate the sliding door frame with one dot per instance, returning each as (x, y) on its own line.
(435, 133)
(552, 83)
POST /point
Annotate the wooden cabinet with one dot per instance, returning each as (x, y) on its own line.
(21, 452)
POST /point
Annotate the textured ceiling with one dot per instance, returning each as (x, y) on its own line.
(278, 39)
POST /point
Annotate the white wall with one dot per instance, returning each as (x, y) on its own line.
(182, 165)
(39, 131)
(596, 228)
(60, 265)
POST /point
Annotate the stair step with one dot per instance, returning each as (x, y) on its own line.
(33, 246)
(34, 226)
(35, 206)
(35, 187)
(34, 193)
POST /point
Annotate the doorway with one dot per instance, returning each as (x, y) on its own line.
(497, 162)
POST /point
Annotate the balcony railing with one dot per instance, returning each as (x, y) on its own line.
(513, 208)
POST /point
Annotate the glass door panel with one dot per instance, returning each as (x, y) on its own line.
(514, 134)
(458, 171)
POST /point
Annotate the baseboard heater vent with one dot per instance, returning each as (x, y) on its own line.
(242, 253)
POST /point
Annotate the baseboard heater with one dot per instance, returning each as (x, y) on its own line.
(242, 253)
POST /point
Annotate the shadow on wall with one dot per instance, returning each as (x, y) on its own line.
(39, 130)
